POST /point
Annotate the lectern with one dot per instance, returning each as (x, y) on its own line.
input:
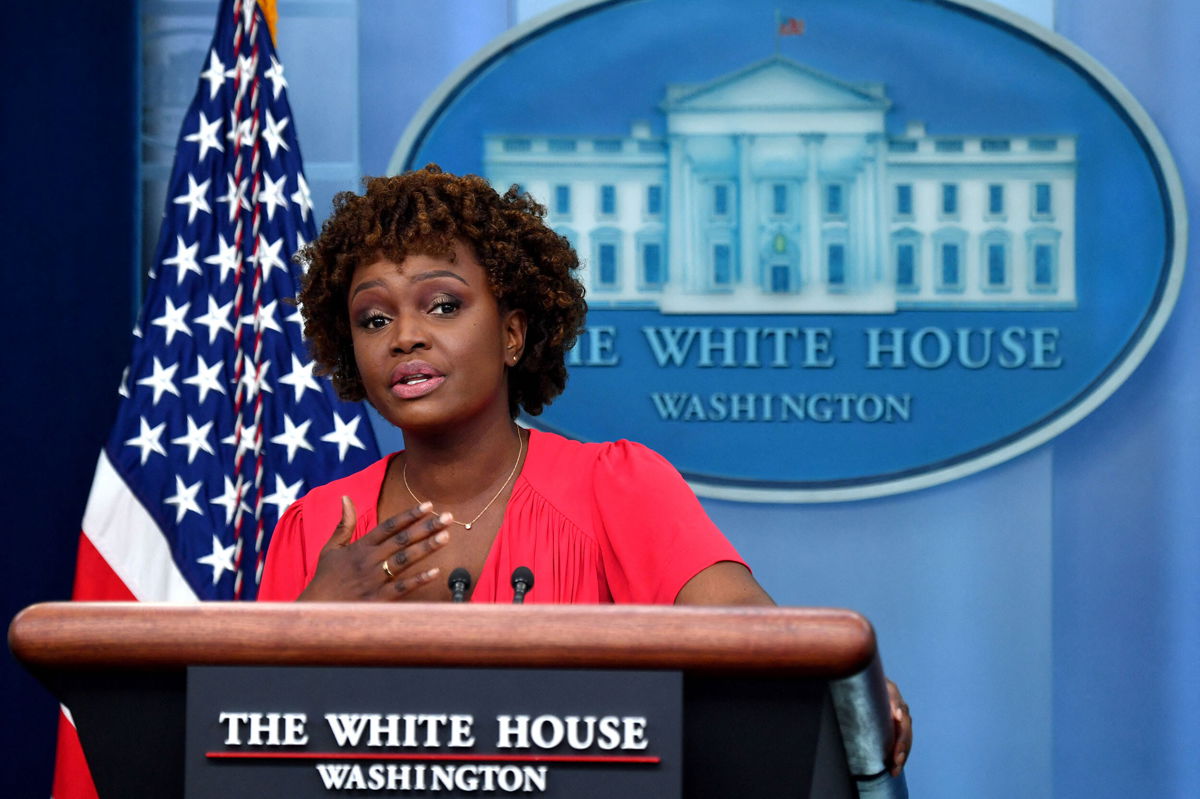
(775, 701)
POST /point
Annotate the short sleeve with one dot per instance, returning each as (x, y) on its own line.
(656, 534)
(285, 573)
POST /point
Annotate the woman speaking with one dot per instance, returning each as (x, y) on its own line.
(451, 309)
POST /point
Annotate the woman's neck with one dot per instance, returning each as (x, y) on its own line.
(458, 465)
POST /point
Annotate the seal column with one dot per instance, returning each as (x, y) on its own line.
(812, 245)
(748, 270)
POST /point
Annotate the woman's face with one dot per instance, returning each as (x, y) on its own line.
(431, 343)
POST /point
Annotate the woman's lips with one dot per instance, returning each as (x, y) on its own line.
(417, 386)
(415, 379)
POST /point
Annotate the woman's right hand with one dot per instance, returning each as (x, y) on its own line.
(355, 570)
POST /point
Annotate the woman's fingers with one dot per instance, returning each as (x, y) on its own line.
(902, 723)
(413, 543)
(380, 564)
(345, 526)
(420, 532)
(400, 521)
(408, 583)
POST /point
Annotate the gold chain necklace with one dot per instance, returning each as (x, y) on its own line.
(520, 452)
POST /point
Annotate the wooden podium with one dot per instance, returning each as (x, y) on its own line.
(776, 701)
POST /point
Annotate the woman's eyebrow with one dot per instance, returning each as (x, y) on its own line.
(368, 284)
(430, 275)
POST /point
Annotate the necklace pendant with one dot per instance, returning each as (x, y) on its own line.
(468, 526)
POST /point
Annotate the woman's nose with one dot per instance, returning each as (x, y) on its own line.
(408, 334)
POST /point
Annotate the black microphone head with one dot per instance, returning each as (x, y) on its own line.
(460, 579)
(523, 576)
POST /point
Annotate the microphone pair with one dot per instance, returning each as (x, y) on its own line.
(460, 583)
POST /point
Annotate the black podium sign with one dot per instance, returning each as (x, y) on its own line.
(321, 731)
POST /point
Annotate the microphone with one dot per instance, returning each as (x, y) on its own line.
(460, 583)
(522, 581)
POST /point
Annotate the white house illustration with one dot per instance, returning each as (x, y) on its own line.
(778, 190)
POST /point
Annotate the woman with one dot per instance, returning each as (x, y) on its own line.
(451, 309)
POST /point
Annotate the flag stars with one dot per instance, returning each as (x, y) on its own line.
(243, 70)
(184, 258)
(232, 499)
(244, 439)
(215, 75)
(345, 435)
(215, 319)
(148, 439)
(221, 558)
(235, 197)
(205, 379)
(226, 257)
(241, 132)
(274, 73)
(267, 256)
(161, 380)
(294, 437)
(184, 499)
(206, 136)
(300, 378)
(196, 198)
(284, 494)
(303, 198)
(254, 379)
(273, 135)
(271, 194)
(195, 439)
(172, 320)
(263, 318)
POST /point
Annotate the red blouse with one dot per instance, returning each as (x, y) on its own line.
(611, 522)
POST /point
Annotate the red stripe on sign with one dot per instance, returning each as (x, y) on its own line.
(434, 756)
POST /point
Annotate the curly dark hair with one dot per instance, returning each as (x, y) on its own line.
(529, 267)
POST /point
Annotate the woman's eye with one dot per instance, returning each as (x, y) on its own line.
(445, 305)
(373, 321)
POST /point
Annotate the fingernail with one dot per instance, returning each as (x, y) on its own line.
(442, 537)
(445, 518)
(425, 506)
(432, 572)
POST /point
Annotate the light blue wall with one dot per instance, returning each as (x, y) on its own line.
(1042, 617)
(1127, 512)
(957, 581)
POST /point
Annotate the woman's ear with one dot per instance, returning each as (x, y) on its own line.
(515, 324)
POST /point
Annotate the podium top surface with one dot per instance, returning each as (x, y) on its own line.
(810, 642)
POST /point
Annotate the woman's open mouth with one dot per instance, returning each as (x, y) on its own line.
(412, 380)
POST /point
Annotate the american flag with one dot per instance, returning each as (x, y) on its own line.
(222, 423)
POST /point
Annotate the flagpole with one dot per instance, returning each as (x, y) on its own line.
(778, 24)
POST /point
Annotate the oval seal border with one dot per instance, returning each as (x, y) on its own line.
(1042, 430)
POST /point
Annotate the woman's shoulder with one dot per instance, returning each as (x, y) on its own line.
(556, 453)
(579, 472)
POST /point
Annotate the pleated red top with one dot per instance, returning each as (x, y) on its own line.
(610, 522)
